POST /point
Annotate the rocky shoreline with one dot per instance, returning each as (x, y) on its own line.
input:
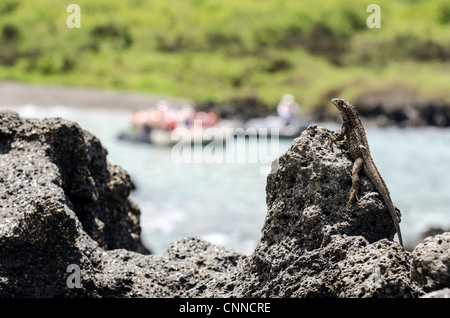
(68, 229)
(403, 109)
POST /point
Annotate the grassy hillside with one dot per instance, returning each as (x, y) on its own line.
(215, 51)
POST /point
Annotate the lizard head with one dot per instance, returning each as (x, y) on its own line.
(347, 110)
(340, 103)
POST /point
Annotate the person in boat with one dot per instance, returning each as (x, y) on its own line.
(188, 116)
(208, 119)
(160, 117)
(140, 119)
(288, 109)
(185, 116)
(166, 118)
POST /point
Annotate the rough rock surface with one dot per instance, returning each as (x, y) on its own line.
(56, 161)
(62, 203)
(309, 246)
(431, 262)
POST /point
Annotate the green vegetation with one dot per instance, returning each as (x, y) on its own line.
(220, 50)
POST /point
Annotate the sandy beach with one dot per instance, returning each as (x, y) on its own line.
(18, 94)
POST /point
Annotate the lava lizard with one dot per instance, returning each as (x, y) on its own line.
(358, 148)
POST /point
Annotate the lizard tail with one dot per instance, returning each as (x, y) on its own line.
(394, 216)
(377, 180)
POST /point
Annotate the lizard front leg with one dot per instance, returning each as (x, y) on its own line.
(355, 181)
(341, 134)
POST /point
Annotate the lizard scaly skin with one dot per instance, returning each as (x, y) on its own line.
(358, 148)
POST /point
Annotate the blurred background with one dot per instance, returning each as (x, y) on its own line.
(238, 59)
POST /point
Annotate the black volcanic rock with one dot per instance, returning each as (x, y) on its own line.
(55, 160)
(310, 247)
(64, 207)
(431, 262)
